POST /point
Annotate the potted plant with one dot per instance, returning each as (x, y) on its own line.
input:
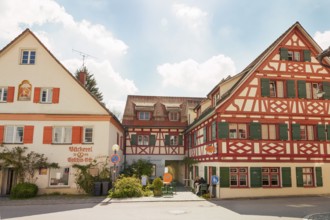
(157, 186)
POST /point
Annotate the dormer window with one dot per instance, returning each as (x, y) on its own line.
(173, 116)
(28, 57)
(144, 115)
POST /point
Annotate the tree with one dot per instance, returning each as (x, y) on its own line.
(25, 164)
(91, 84)
(140, 168)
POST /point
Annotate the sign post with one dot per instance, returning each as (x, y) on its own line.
(215, 181)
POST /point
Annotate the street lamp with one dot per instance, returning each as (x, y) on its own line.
(114, 159)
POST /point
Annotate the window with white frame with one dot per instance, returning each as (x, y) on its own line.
(270, 176)
(268, 132)
(59, 177)
(143, 140)
(294, 55)
(173, 116)
(62, 135)
(173, 140)
(237, 131)
(14, 134)
(46, 95)
(238, 176)
(144, 115)
(28, 57)
(307, 132)
(88, 135)
(276, 88)
(308, 176)
(3, 94)
(312, 90)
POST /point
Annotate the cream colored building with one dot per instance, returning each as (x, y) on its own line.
(43, 107)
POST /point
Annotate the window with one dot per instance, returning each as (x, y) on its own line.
(238, 177)
(143, 140)
(294, 55)
(174, 116)
(276, 88)
(88, 135)
(144, 115)
(307, 132)
(46, 95)
(312, 90)
(216, 97)
(62, 135)
(268, 132)
(237, 131)
(214, 130)
(270, 177)
(3, 94)
(28, 57)
(173, 140)
(308, 176)
(14, 134)
(59, 177)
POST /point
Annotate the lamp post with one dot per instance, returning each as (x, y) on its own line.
(115, 159)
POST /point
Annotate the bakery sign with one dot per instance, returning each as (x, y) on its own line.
(80, 154)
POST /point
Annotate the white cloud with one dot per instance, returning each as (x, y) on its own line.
(193, 17)
(323, 39)
(196, 78)
(113, 87)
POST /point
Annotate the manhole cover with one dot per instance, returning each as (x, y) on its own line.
(178, 212)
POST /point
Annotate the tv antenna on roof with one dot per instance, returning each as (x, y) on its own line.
(84, 55)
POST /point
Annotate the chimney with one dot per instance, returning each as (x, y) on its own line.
(82, 77)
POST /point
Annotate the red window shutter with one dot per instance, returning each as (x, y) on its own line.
(56, 95)
(28, 134)
(76, 135)
(36, 98)
(10, 94)
(47, 138)
(2, 128)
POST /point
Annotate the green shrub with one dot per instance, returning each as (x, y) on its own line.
(24, 190)
(157, 186)
(127, 187)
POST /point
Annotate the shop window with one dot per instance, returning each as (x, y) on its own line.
(238, 177)
(62, 135)
(59, 177)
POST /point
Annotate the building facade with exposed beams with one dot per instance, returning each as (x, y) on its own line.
(45, 108)
(266, 131)
(154, 128)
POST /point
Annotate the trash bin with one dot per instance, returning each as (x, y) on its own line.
(97, 189)
(105, 188)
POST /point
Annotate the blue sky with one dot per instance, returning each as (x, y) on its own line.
(160, 47)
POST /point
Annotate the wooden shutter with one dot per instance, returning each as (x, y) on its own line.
(295, 128)
(265, 89)
(205, 173)
(36, 97)
(326, 90)
(152, 140)
(214, 129)
(290, 89)
(286, 177)
(284, 53)
(255, 131)
(204, 134)
(307, 55)
(197, 171)
(301, 89)
(167, 140)
(283, 131)
(321, 133)
(319, 181)
(10, 94)
(255, 176)
(299, 176)
(47, 136)
(328, 132)
(223, 130)
(180, 140)
(224, 177)
(133, 139)
(76, 135)
(214, 171)
(28, 134)
(2, 129)
(56, 95)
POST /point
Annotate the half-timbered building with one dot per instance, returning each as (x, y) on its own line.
(266, 130)
(154, 127)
